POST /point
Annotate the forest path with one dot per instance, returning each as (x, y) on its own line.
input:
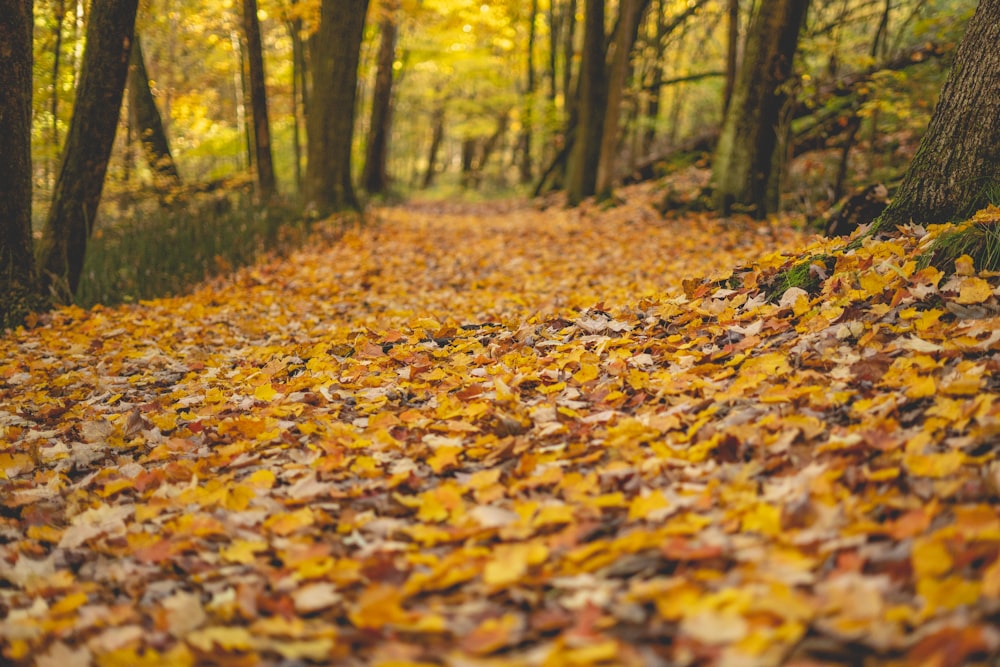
(521, 438)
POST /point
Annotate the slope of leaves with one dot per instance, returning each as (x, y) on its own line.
(513, 438)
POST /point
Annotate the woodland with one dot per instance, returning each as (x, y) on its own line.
(553, 332)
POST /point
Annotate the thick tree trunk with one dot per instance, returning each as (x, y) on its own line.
(958, 162)
(88, 145)
(629, 15)
(146, 120)
(581, 177)
(258, 104)
(375, 179)
(17, 274)
(336, 51)
(742, 170)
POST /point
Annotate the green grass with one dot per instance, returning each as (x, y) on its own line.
(162, 252)
(980, 240)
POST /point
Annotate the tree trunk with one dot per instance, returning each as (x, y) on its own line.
(17, 268)
(629, 14)
(467, 178)
(569, 51)
(958, 163)
(299, 77)
(652, 111)
(529, 99)
(258, 104)
(88, 145)
(488, 147)
(555, 28)
(732, 48)
(146, 120)
(437, 136)
(581, 177)
(59, 10)
(336, 52)
(375, 179)
(742, 169)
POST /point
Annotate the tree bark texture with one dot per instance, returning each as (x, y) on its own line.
(375, 178)
(629, 15)
(732, 49)
(525, 164)
(17, 274)
(336, 51)
(742, 169)
(88, 145)
(266, 186)
(958, 162)
(147, 121)
(581, 177)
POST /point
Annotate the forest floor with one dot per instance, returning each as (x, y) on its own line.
(506, 436)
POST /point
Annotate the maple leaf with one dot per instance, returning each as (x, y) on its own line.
(522, 453)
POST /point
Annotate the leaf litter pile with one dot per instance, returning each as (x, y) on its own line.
(515, 437)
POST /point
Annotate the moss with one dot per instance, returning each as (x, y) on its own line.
(802, 275)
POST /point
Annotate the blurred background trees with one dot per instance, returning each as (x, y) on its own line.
(456, 99)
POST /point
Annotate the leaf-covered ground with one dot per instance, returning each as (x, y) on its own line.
(513, 437)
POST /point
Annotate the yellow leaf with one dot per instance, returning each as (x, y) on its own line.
(265, 392)
(378, 606)
(243, 551)
(920, 387)
(261, 479)
(228, 638)
(238, 498)
(653, 506)
(930, 558)
(45, 533)
(965, 266)
(973, 290)
(287, 523)
(444, 458)
(511, 563)
(68, 604)
(934, 465)
(947, 594)
(991, 580)
(764, 519)
(586, 373)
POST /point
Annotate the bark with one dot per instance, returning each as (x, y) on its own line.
(88, 146)
(629, 15)
(529, 95)
(299, 94)
(732, 48)
(568, 52)
(17, 269)
(651, 112)
(581, 177)
(59, 9)
(375, 178)
(743, 174)
(146, 120)
(336, 51)
(958, 162)
(437, 136)
(555, 27)
(261, 134)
